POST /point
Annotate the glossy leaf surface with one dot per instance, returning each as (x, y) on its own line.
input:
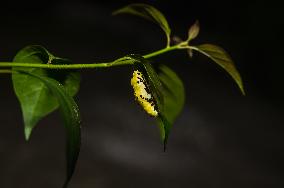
(35, 98)
(148, 12)
(71, 118)
(222, 58)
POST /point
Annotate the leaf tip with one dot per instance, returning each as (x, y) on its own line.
(28, 132)
(240, 84)
(165, 145)
(193, 31)
(242, 90)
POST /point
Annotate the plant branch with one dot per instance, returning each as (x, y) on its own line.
(87, 66)
(5, 71)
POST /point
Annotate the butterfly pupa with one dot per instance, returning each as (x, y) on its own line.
(142, 93)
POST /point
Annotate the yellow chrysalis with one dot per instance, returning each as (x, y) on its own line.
(142, 94)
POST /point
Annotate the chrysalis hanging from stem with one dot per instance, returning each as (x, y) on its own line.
(143, 94)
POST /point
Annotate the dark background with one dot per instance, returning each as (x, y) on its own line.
(220, 140)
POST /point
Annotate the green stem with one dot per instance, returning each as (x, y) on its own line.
(85, 66)
(162, 51)
(5, 71)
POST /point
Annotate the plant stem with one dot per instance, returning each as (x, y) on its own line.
(84, 66)
(4, 71)
(161, 51)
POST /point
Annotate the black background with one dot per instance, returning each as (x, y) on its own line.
(221, 139)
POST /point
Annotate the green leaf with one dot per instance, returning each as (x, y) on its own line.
(193, 31)
(148, 12)
(71, 117)
(222, 58)
(174, 98)
(35, 98)
(165, 127)
(152, 79)
(167, 91)
(173, 92)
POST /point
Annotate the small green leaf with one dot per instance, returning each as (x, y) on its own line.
(35, 98)
(71, 117)
(222, 58)
(193, 31)
(148, 12)
(174, 97)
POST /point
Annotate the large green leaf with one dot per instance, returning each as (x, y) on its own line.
(155, 89)
(35, 98)
(222, 58)
(174, 97)
(148, 12)
(71, 117)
